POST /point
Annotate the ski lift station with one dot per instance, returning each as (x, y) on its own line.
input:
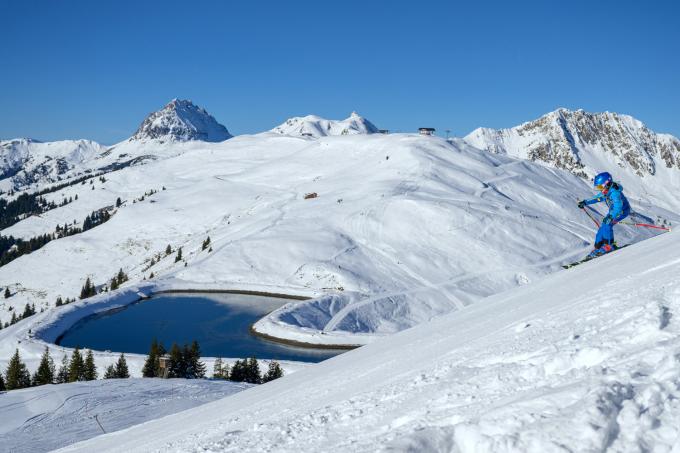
(426, 130)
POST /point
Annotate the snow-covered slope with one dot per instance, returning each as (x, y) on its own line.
(314, 126)
(48, 417)
(181, 120)
(588, 143)
(587, 359)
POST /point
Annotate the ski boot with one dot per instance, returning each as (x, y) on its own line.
(606, 248)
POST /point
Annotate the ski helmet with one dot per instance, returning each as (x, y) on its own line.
(602, 180)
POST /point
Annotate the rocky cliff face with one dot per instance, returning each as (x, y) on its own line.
(181, 120)
(584, 143)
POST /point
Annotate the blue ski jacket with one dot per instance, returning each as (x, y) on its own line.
(615, 199)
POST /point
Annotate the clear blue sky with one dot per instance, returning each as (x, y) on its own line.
(95, 69)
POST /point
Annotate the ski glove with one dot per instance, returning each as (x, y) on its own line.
(607, 220)
(582, 204)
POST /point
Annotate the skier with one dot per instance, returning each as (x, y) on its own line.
(619, 208)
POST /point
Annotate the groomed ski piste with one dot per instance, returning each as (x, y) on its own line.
(48, 417)
(587, 359)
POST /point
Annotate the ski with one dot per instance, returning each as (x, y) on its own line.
(590, 258)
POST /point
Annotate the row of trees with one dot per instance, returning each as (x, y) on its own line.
(12, 248)
(21, 207)
(28, 204)
(29, 310)
(183, 363)
(246, 370)
(78, 368)
(89, 289)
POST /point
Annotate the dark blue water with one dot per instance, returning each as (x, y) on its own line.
(219, 322)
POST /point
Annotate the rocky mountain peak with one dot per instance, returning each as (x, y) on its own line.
(584, 142)
(181, 120)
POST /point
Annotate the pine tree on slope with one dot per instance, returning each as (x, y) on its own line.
(62, 374)
(90, 369)
(110, 372)
(176, 364)
(274, 372)
(121, 370)
(17, 375)
(76, 368)
(45, 374)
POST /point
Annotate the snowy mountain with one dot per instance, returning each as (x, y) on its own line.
(588, 143)
(28, 161)
(179, 126)
(588, 359)
(181, 120)
(314, 126)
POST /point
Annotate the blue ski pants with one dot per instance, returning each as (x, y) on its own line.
(605, 234)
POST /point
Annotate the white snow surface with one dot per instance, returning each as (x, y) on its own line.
(315, 126)
(586, 359)
(48, 417)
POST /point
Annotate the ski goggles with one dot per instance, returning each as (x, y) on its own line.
(600, 187)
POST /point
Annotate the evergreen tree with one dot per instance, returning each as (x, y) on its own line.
(17, 375)
(218, 370)
(14, 319)
(176, 365)
(253, 371)
(90, 371)
(121, 369)
(45, 374)
(238, 371)
(122, 276)
(118, 202)
(76, 367)
(62, 374)
(2, 384)
(28, 311)
(179, 255)
(168, 250)
(274, 372)
(206, 243)
(110, 372)
(7, 293)
(88, 289)
(195, 369)
(152, 365)
(59, 302)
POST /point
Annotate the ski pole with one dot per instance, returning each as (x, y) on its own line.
(591, 217)
(645, 225)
